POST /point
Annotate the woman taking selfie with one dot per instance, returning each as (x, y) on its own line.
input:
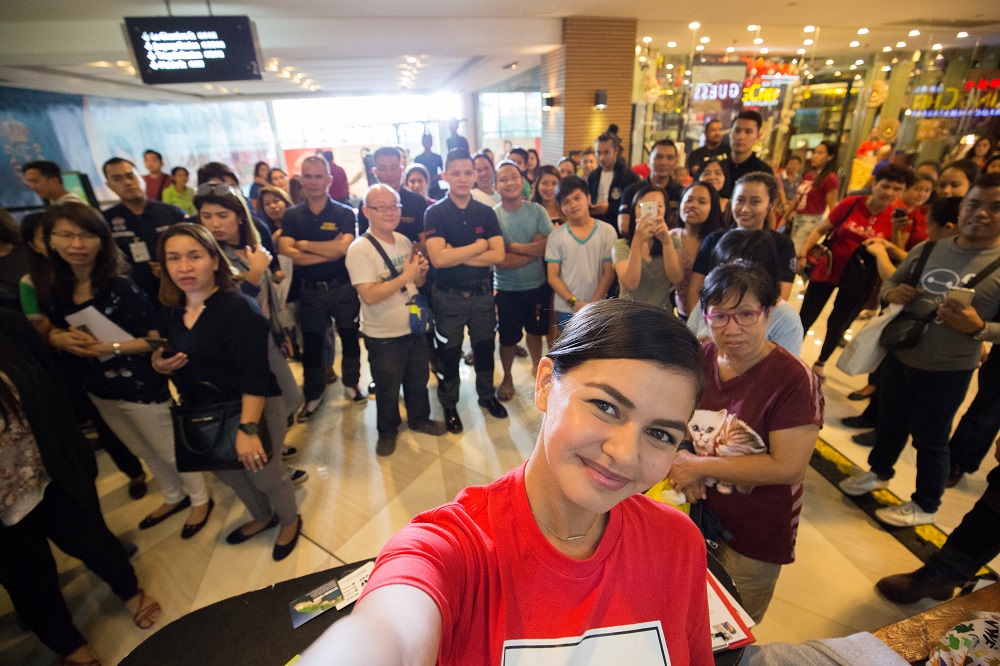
(220, 337)
(88, 273)
(563, 545)
(647, 260)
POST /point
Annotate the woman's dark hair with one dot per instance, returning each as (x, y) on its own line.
(989, 162)
(568, 185)
(917, 177)
(482, 155)
(544, 170)
(277, 192)
(756, 247)
(567, 158)
(735, 280)
(538, 165)
(8, 229)
(611, 134)
(930, 163)
(765, 179)
(971, 152)
(39, 267)
(270, 174)
(256, 168)
(656, 249)
(176, 170)
(109, 263)
(232, 201)
(416, 166)
(170, 294)
(968, 167)
(295, 189)
(616, 328)
(716, 219)
(831, 166)
(945, 210)
(895, 174)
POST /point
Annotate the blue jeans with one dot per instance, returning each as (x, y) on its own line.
(317, 307)
(399, 362)
(921, 403)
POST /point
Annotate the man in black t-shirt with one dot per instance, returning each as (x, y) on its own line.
(662, 162)
(464, 242)
(744, 133)
(389, 171)
(315, 234)
(715, 148)
(137, 222)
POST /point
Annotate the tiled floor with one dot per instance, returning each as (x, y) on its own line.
(354, 501)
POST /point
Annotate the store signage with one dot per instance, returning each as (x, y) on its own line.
(716, 90)
(979, 98)
(756, 96)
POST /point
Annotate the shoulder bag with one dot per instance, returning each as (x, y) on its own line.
(421, 317)
(819, 258)
(205, 432)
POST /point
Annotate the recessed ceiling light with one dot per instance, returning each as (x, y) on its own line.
(862, 31)
(705, 40)
(809, 28)
(670, 65)
(857, 77)
(854, 66)
(886, 68)
(512, 65)
(643, 58)
(671, 45)
(647, 39)
(829, 62)
(752, 27)
(900, 45)
(962, 35)
(859, 61)
(837, 73)
(807, 42)
(758, 40)
(855, 44)
(801, 51)
(694, 25)
(700, 47)
(810, 76)
(886, 49)
(411, 60)
(764, 50)
(937, 47)
(730, 49)
(914, 33)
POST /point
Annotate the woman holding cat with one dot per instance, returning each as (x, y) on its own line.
(754, 431)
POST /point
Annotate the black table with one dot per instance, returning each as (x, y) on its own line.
(256, 628)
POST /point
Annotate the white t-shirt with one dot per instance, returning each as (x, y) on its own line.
(581, 260)
(389, 318)
(604, 187)
(490, 200)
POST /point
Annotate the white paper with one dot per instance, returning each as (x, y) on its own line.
(102, 328)
(636, 645)
(353, 583)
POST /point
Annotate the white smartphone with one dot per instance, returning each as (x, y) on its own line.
(647, 208)
(962, 294)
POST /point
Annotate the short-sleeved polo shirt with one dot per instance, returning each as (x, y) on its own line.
(300, 223)
(460, 227)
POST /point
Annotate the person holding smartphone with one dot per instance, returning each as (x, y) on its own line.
(647, 260)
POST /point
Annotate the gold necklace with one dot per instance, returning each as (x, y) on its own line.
(569, 538)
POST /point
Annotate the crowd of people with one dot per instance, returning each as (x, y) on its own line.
(215, 291)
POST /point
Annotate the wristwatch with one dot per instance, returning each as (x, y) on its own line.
(571, 302)
(249, 429)
(116, 348)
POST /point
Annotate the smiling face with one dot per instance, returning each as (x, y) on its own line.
(223, 223)
(713, 174)
(547, 187)
(510, 183)
(751, 205)
(953, 183)
(189, 264)
(76, 246)
(484, 174)
(979, 219)
(611, 429)
(416, 183)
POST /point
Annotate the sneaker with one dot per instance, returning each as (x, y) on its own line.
(907, 514)
(289, 452)
(429, 427)
(912, 587)
(861, 483)
(386, 445)
(354, 394)
(298, 475)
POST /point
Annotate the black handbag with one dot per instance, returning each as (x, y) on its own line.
(205, 432)
(907, 329)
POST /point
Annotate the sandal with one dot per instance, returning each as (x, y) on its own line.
(141, 617)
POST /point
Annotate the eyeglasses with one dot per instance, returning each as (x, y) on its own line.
(67, 236)
(742, 318)
(386, 210)
(218, 189)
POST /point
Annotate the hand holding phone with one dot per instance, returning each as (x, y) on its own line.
(962, 295)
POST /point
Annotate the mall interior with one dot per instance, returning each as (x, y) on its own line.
(903, 83)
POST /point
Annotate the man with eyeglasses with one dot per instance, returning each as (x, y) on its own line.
(137, 222)
(385, 285)
(315, 234)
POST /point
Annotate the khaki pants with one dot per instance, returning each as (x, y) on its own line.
(754, 580)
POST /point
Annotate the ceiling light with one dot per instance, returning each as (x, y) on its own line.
(758, 40)
(411, 60)
(886, 49)
(900, 45)
(512, 65)
(670, 65)
(855, 44)
(886, 68)
(407, 75)
(810, 76)
(962, 35)
(207, 86)
(801, 51)
(808, 42)
(854, 66)
(700, 47)
(694, 25)
(764, 50)
(643, 58)
(286, 74)
(671, 45)
(705, 40)
(862, 31)
(914, 33)
(647, 40)
(857, 77)
(752, 27)
(937, 47)
(809, 28)
(730, 49)
(829, 62)
(123, 63)
(837, 73)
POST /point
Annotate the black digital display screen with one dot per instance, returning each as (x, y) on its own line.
(193, 49)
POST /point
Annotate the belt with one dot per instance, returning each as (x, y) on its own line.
(476, 290)
(323, 286)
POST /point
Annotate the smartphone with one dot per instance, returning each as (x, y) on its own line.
(160, 343)
(647, 208)
(899, 214)
(962, 294)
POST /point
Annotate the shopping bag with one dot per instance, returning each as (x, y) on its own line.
(864, 353)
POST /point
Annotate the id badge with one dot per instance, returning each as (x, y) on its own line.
(139, 250)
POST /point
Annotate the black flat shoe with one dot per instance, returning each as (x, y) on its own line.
(858, 422)
(237, 536)
(281, 552)
(149, 521)
(493, 406)
(137, 487)
(189, 531)
(452, 422)
(858, 395)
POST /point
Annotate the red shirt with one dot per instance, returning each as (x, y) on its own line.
(916, 227)
(869, 146)
(778, 393)
(812, 197)
(849, 233)
(155, 185)
(339, 189)
(502, 588)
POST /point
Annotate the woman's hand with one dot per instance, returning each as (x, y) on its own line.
(645, 228)
(75, 342)
(661, 231)
(259, 258)
(250, 451)
(167, 366)
(876, 247)
(685, 477)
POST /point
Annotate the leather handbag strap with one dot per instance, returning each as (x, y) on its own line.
(918, 268)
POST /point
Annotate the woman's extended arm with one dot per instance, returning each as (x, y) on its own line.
(395, 625)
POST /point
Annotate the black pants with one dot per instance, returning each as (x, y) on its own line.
(399, 362)
(28, 570)
(846, 308)
(317, 309)
(975, 433)
(976, 540)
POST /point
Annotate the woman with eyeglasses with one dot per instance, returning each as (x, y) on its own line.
(754, 431)
(218, 336)
(88, 272)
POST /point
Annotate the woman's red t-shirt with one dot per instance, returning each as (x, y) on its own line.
(853, 224)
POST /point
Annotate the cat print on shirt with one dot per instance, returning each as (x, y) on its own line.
(718, 433)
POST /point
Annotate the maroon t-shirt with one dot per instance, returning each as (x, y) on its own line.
(853, 224)
(339, 189)
(778, 393)
(155, 185)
